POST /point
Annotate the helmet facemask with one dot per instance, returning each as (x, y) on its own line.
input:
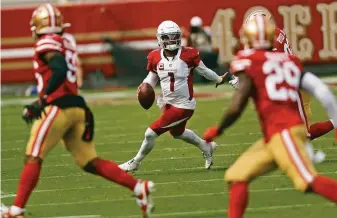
(169, 41)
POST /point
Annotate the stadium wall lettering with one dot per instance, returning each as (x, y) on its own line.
(310, 25)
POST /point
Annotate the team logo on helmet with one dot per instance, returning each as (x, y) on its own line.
(47, 19)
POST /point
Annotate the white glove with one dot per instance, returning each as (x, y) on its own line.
(234, 82)
(317, 157)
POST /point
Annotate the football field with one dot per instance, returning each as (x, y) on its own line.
(183, 187)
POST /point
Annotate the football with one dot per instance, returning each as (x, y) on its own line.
(146, 95)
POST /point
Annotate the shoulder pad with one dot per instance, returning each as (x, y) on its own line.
(48, 43)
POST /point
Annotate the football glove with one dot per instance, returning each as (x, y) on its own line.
(34, 110)
(211, 133)
(234, 82)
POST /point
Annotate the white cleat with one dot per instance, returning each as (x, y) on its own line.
(208, 155)
(143, 193)
(6, 213)
(129, 166)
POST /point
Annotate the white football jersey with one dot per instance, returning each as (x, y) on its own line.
(176, 75)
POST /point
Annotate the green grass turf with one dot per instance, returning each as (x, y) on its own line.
(184, 187)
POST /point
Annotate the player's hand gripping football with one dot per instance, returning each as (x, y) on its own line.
(211, 133)
(34, 111)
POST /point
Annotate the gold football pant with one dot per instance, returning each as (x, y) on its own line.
(61, 124)
(285, 150)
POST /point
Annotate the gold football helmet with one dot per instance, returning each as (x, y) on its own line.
(258, 33)
(47, 19)
(258, 11)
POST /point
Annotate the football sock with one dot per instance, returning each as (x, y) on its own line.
(190, 137)
(321, 128)
(110, 171)
(238, 199)
(325, 187)
(28, 180)
(146, 146)
(14, 210)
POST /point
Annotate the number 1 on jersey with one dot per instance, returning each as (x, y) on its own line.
(172, 80)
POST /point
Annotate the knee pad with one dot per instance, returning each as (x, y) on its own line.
(150, 135)
(90, 167)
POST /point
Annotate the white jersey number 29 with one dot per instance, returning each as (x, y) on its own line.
(277, 74)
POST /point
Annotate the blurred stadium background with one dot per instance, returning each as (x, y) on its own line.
(113, 38)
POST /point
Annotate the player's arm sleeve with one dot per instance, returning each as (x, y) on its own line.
(207, 73)
(317, 88)
(152, 79)
(239, 101)
(58, 65)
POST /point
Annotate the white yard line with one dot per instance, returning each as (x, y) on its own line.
(251, 209)
(149, 160)
(115, 95)
(141, 173)
(79, 216)
(188, 147)
(159, 140)
(7, 196)
(157, 183)
(158, 197)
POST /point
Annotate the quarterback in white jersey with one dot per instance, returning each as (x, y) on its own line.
(176, 75)
(173, 65)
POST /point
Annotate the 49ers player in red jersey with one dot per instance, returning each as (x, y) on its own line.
(61, 114)
(315, 130)
(272, 79)
(173, 65)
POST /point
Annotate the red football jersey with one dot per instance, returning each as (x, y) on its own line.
(275, 78)
(51, 43)
(281, 43)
